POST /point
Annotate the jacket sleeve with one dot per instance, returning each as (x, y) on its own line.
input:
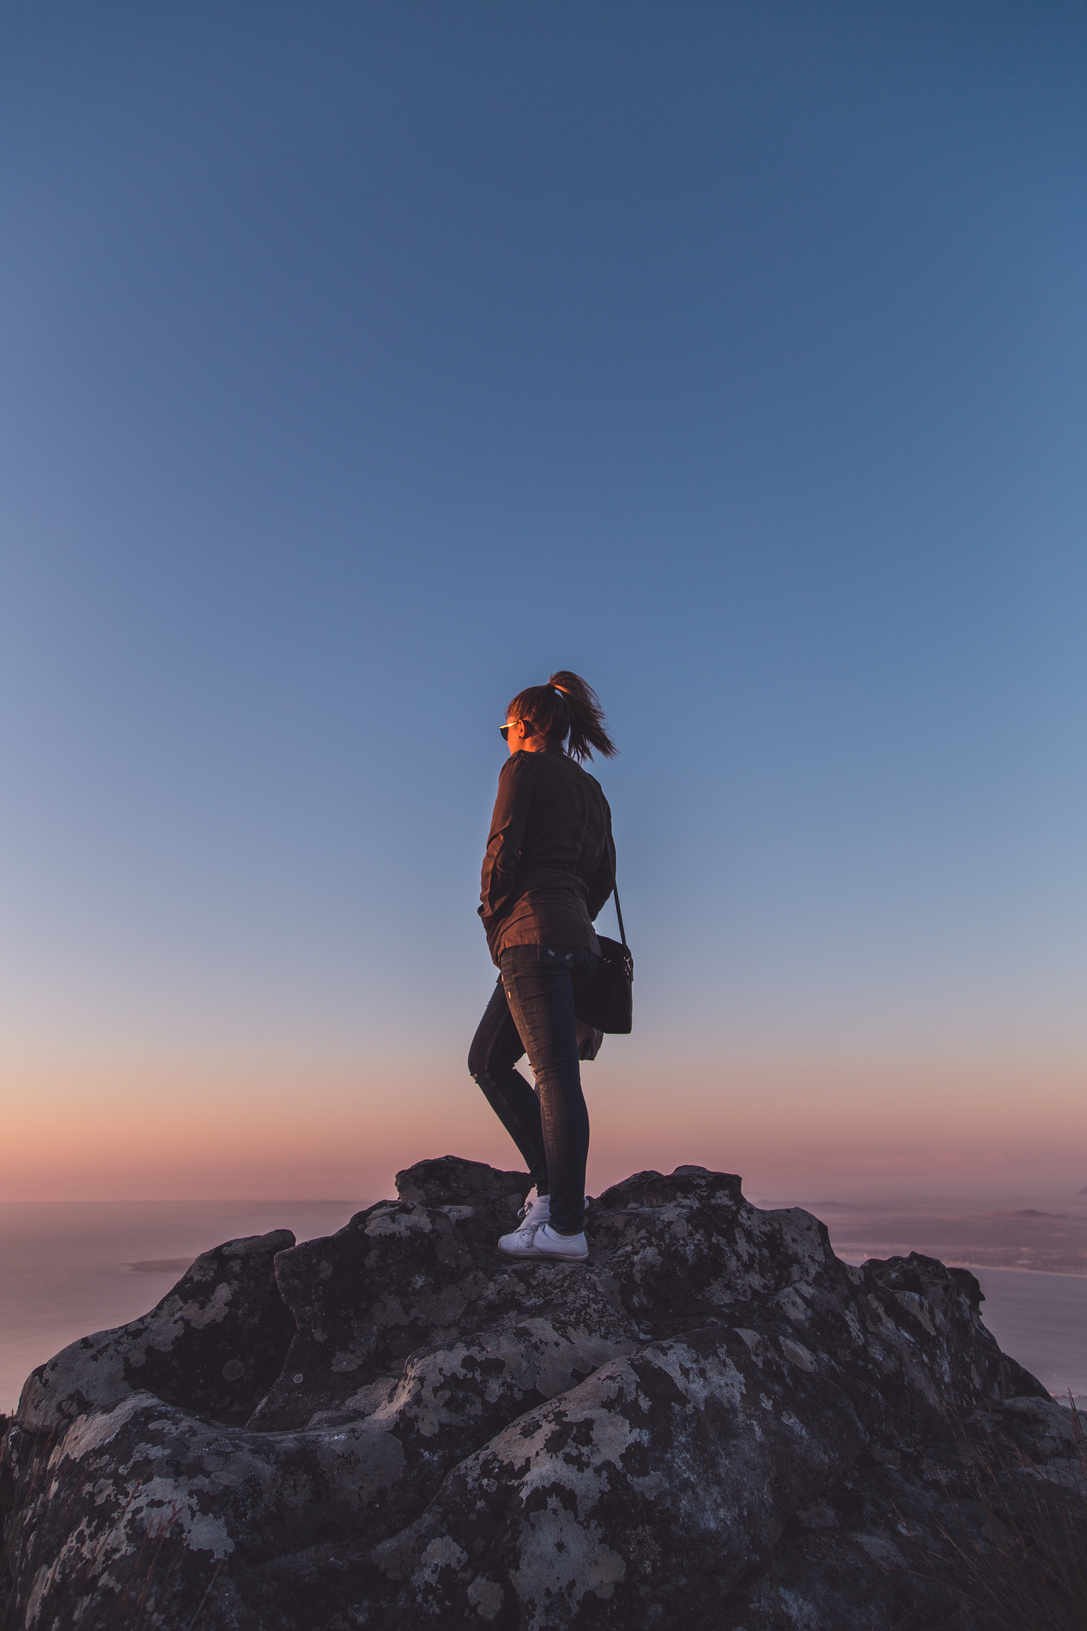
(498, 885)
(602, 881)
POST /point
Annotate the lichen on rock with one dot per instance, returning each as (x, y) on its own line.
(713, 1423)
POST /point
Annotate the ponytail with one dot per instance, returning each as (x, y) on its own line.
(568, 710)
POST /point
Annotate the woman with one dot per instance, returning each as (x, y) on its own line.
(549, 868)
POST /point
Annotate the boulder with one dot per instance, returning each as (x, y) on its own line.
(714, 1423)
(212, 1346)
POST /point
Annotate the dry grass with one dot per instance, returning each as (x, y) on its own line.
(1018, 1550)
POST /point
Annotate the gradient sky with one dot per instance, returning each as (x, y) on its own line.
(365, 362)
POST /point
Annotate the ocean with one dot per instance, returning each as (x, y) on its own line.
(70, 1268)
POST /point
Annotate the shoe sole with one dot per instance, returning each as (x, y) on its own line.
(541, 1257)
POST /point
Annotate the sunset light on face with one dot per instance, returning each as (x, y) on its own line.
(365, 365)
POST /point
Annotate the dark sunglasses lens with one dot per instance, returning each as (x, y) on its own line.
(505, 732)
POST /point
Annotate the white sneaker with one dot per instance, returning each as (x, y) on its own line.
(536, 1241)
(535, 1211)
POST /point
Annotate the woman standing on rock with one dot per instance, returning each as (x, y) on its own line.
(549, 868)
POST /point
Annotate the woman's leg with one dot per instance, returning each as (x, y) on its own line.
(539, 984)
(496, 1048)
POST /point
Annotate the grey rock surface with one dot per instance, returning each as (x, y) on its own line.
(213, 1345)
(713, 1423)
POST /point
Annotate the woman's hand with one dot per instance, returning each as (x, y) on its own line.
(589, 1040)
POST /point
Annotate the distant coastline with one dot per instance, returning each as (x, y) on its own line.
(1026, 1238)
(161, 1265)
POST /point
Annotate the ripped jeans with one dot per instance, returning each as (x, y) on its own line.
(532, 1010)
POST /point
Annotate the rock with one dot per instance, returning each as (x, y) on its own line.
(212, 1346)
(449, 1181)
(713, 1423)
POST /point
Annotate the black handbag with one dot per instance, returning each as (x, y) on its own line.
(608, 1003)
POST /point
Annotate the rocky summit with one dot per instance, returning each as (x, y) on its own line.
(714, 1423)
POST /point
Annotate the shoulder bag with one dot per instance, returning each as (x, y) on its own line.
(607, 1004)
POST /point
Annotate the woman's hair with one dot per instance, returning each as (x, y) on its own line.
(565, 708)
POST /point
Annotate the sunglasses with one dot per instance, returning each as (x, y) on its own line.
(504, 730)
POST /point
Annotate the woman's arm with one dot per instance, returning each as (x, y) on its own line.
(602, 881)
(498, 884)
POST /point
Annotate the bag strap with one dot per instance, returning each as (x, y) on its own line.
(619, 915)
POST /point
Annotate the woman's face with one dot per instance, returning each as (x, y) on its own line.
(521, 738)
(515, 735)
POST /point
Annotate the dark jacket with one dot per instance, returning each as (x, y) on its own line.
(550, 861)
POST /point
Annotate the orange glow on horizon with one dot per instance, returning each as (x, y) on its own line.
(329, 1129)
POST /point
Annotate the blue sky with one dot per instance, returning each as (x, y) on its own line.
(366, 362)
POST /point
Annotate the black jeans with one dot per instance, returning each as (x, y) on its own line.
(532, 1010)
